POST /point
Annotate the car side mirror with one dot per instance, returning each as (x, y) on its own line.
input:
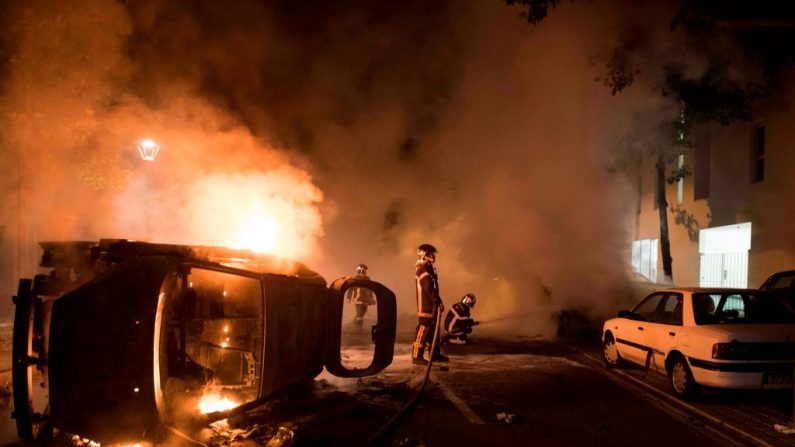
(382, 333)
(625, 314)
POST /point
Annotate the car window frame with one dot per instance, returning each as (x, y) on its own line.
(716, 316)
(773, 280)
(649, 297)
(181, 271)
(661, 306)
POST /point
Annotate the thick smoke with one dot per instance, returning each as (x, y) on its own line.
(386, 125)
(76, 102)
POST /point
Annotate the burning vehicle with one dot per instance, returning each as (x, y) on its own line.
(123, 338)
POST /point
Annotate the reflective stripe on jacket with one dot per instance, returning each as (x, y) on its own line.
(457, 318)
(427, 290)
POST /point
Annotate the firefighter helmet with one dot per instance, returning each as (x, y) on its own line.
(469, 299)
(361, 269)
(426, 252)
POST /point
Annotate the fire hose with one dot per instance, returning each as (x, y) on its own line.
(517, 315)
(391, 423)
(411, 403)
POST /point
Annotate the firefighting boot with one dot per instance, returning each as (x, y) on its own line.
(416, 355)
(441, 358)
(437, 355)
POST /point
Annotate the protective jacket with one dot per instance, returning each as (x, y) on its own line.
(458, 320)
(428, 304)
(427, 290)
(360, 295)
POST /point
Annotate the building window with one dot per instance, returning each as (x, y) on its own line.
(680, 184)
(644, 259)
(758, 154)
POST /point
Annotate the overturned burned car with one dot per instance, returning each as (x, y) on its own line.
(122, 338)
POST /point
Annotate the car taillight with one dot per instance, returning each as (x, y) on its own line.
(729, 351)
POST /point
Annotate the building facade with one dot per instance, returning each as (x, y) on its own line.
(731, 217)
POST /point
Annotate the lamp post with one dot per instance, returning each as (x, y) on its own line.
(148, 150)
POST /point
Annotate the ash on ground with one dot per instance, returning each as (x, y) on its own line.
(319, 414)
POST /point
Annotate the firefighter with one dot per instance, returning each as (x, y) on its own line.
(458, 322)
(429, 305)
(361, 298)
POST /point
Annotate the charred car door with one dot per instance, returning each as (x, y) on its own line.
(381, 334)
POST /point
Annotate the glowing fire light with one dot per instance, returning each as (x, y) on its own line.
(148, 149)
(212, 402)
(267, 213)
(259, 234)
(78, 441)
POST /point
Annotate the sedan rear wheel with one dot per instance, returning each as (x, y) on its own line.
(682, 381)
(610, 353)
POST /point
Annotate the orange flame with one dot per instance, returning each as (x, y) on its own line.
(269, 213)
(259, 233)
(212, 402)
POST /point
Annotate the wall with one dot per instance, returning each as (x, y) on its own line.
(769, 205)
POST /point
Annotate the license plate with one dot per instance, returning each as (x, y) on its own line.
(778, 379)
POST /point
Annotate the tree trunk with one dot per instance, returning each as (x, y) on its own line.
(662, 207)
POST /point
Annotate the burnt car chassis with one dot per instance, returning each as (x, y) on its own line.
(123, 337)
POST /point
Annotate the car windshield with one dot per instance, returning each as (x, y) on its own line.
(740, 308)
(210, 340)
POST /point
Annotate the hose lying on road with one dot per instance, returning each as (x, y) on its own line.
(390, 424)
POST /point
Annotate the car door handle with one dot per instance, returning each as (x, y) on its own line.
(640, 328)
(672, 334)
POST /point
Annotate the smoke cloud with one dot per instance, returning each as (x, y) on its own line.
(360, 130)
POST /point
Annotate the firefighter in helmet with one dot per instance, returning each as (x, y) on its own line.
(458, 322)
(429, 305)
(360, 297)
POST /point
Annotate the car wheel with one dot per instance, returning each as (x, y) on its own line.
(682, 382)
(610, 353)
(26, 357)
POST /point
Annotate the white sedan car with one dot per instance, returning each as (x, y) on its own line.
(720, 338)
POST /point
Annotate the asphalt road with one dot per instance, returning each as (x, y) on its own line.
(538, 392)
(551, 396)
(502, 393)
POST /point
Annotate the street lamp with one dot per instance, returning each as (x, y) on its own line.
(148, 149)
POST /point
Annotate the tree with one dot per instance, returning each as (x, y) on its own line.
(536, 10)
